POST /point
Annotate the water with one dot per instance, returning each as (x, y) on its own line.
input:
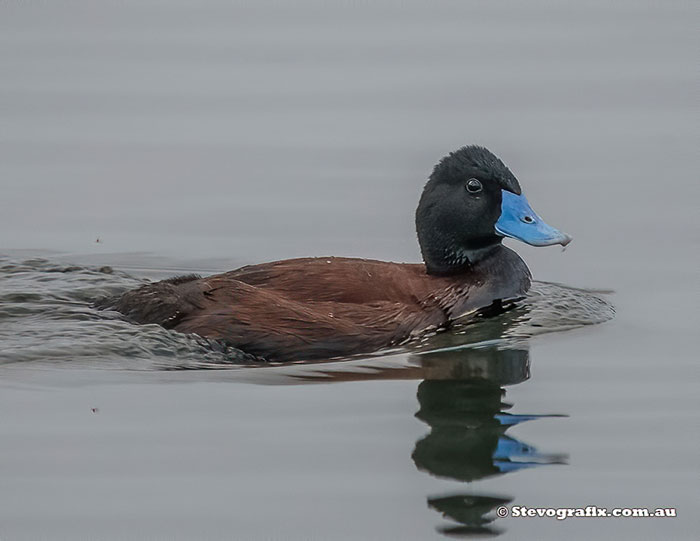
(201, 138)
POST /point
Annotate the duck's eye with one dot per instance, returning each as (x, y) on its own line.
(473, 186)
(528, 219)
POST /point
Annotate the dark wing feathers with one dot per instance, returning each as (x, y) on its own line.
(296, 309)
(265, 323)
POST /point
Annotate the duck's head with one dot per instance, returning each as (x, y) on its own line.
(471, 202)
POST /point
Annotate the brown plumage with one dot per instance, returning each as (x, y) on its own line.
(315, 308)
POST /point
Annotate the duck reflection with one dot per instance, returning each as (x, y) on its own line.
(464, 373)
(468, 424)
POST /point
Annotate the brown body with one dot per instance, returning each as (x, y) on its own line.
(314, 308)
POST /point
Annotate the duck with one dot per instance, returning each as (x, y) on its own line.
(315, 308)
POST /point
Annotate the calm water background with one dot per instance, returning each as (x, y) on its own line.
(211, 135)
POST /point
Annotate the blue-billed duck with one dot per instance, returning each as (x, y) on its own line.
(323, 307)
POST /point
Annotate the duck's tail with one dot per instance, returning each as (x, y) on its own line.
(164, 303)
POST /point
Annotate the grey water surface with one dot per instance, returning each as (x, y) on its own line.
(140, 140)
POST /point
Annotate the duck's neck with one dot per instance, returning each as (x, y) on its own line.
(449, 258)
(497, 274)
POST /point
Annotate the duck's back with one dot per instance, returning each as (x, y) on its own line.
(337, 279)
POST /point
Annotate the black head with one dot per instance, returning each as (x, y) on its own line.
(459, 208)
